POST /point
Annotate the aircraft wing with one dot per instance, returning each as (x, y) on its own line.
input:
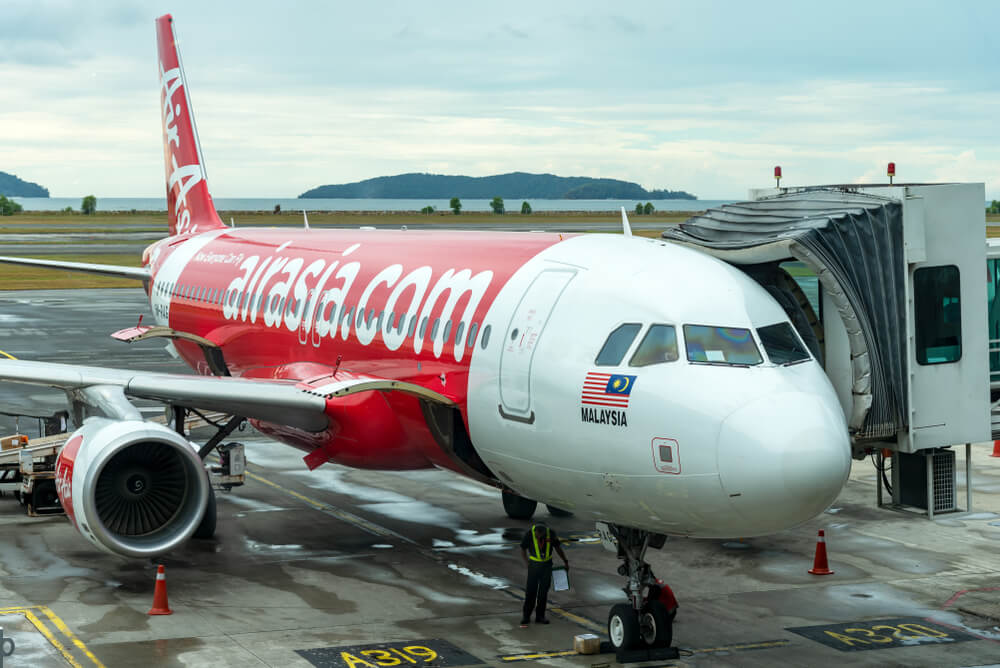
(117, 271)
(286, 402)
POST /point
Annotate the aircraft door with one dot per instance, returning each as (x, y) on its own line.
(521, 341)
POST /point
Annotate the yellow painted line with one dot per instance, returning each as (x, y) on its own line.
(61, 625)
(37, 622)
(10, 357)
(582, 621)
(730, 648)
(342, 515)
(539, 655)
(31, 617)
(373, 528)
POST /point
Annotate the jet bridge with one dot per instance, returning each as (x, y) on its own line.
(897, 320)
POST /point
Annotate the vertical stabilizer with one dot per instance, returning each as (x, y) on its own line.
(189, 206)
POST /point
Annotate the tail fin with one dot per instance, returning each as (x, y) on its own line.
(189, 206)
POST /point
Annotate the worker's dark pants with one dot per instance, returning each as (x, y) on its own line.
(537, 589)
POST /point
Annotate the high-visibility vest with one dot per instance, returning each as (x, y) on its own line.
(537, 556)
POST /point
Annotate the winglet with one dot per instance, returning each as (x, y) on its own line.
(305, 216)
(626, 228)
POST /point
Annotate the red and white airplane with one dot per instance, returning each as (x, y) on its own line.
(644, 385)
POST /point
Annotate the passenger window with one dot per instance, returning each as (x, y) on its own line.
(423, 327)
(458, 333)
(484, 340)
(938, 314)
(413, 326)
(472, 334)
(617, 344)
(434, 329)
(721, 345)
(782, 344)
(659, 345)
(447, 331)
(330, 309)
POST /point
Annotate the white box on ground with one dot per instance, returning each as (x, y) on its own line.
(586, 643)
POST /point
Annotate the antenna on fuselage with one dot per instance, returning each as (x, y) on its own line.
(626, 228)
(305, 217)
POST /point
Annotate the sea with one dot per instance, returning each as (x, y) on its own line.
(297, 204)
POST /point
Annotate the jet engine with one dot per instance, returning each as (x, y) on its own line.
(132, 488)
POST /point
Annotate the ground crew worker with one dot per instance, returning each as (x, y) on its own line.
(536, 550)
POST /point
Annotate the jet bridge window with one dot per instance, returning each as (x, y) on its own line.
(782, 344)
(721, 345)
(938, 314)
(617, 344)
(659, 345)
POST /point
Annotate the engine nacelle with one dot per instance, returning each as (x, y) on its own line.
(132, 488)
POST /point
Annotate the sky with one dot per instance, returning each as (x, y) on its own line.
(701, 96)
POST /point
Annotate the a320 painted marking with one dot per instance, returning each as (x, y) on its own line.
(434, 652)
(881, 634)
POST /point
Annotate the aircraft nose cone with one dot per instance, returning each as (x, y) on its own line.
(783, 459)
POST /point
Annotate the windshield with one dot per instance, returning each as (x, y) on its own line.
(782, 344)
(721, 345)
(659, 345)
(617, 345)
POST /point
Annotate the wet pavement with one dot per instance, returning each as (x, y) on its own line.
(425, 564)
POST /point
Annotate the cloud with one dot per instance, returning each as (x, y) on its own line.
(705, 97)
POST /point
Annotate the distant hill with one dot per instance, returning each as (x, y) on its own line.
(516, 185)
(11, 186)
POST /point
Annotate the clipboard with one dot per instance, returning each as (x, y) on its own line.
(560, 578)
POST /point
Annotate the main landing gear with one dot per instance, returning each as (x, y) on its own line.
(520, 508)
(646, 619)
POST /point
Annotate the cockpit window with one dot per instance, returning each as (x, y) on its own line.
(721, 345)
(617, 345)
(659, 345)
(781, 344)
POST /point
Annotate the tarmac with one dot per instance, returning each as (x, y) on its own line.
(360, 569)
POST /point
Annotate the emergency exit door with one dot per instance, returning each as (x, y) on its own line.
(521, 341)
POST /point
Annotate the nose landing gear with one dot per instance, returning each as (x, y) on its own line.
(647, 619)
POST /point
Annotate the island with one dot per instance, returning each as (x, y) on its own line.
(11, 186)
(516, 185)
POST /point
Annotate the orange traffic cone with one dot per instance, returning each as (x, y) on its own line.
(996, 449)
(820, 565)
(160, 606)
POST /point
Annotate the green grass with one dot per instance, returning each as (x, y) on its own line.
(16, 277)
(13, 277)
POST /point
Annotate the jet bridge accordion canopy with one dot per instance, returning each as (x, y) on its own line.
(853, 242)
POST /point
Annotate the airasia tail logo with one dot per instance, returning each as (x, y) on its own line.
(182, 177)
(64, 475)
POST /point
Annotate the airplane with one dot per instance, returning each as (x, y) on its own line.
(646, 386)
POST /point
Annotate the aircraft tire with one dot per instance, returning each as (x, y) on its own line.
(518, 507)
(206, 529)
(623, 627)
(558, 512)
(656, 625)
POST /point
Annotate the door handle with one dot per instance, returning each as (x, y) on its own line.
(516, 418)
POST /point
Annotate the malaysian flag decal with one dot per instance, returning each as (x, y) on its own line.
(607, 389)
